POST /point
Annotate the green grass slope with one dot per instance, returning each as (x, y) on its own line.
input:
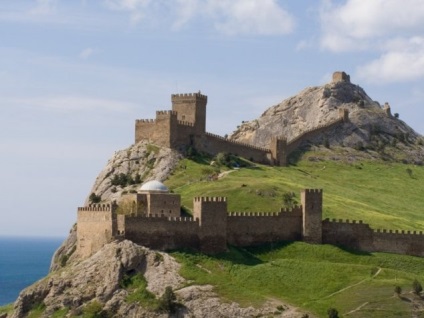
(313, 277)
(386, 195)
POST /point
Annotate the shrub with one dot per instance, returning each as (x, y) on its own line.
(94, 310)
(416, 287)
(94, 198)
(332, 313)
(167, 301)
(398, 290)
(289, 199)
(396, 115)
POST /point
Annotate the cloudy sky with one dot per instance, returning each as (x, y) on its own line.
(74, 75)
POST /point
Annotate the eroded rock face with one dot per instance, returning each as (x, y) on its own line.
(148, 161)
(370, 125)
(99, 278)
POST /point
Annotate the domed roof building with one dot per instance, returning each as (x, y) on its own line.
(153, 186)
(153, 198)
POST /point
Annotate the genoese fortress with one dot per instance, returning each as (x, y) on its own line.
(153, 217)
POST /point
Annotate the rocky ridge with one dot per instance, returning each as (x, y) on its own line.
(99, 280)
(371, 127)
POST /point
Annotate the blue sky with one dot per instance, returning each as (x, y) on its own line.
(74, 75)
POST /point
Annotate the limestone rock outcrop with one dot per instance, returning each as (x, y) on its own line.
(371, 126)
(99, 278)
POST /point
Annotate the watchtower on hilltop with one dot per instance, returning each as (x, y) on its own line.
(191, 108)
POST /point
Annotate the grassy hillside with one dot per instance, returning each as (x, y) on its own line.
(313, 277)
(385, 195)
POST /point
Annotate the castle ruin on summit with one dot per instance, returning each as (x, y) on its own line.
(185, 126)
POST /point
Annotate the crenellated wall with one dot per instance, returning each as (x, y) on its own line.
(350, 234)
(212, 227)
(162, 233)
(248, 229)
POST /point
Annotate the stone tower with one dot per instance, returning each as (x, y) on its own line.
(341, 77)
(278, 149)
(191, 108)
(312, 215)
(212, 214)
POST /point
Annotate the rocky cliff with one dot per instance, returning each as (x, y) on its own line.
(371, 128)
(127, 280)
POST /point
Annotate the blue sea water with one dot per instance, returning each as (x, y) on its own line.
(23, 261)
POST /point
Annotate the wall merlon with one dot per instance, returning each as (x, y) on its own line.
(210, 199)
(185, 123)
(166, 113)
(188, 95)
(146, 121)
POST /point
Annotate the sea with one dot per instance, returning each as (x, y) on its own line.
(23, 261)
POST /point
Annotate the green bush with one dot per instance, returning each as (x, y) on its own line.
(416, 287)
(332, 313)
(167, 301)
(94, 198)
(94, 310)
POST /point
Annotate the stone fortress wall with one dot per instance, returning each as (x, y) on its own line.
(185, 126)
(212, 228)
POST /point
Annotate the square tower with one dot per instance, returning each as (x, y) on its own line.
(312, 215)
(191, 108)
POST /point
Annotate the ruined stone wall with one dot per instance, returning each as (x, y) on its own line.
(341, 77)
(97, 226)
(249, 229)
(162, 233)
(214, 144)
(350, 234)
(310, 134)
(212, 216)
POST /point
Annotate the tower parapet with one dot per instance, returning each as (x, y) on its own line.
(191, 108)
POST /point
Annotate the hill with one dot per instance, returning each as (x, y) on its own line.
(370, 169)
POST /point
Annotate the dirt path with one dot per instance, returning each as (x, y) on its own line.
(350, 286)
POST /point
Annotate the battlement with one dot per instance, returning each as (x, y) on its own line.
(185, 123)
(148, 121)
(97, 207)
(210, 199)
(166, 113)
(254, 214)
(186, 96)
(398, 232)
(347, 221)
(313, 190)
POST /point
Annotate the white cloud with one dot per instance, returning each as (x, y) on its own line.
(231, 17)
(357, 23)
(70, 104)
(264, 17)
(402, 63)
(390, 28)
(86, 53)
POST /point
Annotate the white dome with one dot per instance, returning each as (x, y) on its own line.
(153, 185)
